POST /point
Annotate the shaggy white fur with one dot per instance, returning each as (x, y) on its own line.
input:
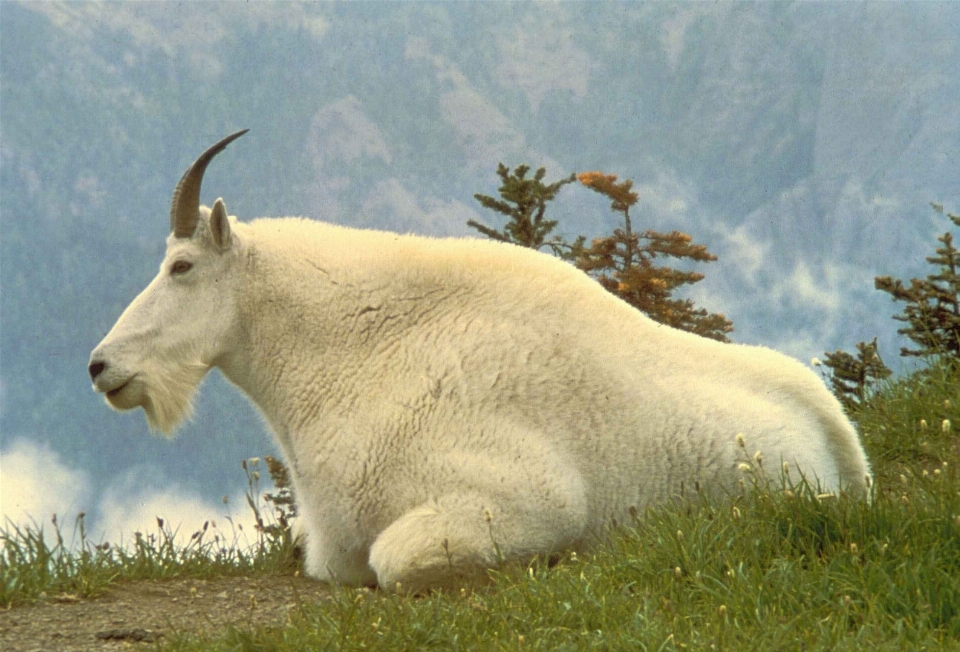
(445, 404)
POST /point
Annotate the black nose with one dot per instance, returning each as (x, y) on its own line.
(95, 368)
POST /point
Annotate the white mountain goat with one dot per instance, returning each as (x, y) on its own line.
(444, 404)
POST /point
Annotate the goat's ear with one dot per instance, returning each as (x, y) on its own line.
(220, 225)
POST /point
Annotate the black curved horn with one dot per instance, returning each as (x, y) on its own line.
(185, 207)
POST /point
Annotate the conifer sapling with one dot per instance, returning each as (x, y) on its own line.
(624, 264)
(851, 377)
(524, 203)
(932, 310)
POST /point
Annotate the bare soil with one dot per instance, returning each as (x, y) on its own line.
(136, 615)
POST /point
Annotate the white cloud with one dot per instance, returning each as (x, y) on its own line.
(817, 292)
(540, 57)
(340, 133)
(186, 25)
(854, 219)
(673, 31)
(35, 483)
(748, 253)
(668, 198)
(391, 205)
(418, 48)
(191, 30)
(124, 513)
(483, 133)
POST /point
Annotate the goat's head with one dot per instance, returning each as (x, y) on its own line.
(169, 337)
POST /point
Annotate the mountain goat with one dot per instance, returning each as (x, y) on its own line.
(444, 404)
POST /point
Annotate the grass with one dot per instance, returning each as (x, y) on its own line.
(758, 570)
(32, 568)
(902, 426)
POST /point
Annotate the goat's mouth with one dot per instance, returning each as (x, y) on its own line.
(113, 393)
(126, 395)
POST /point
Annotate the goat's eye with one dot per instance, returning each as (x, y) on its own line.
(181, 267)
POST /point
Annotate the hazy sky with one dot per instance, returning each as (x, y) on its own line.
(801, 142)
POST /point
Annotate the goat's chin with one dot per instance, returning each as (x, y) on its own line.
(168, 400)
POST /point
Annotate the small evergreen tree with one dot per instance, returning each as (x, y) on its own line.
(624, 264)
(851, 377)
(932, 311)
(524, 203)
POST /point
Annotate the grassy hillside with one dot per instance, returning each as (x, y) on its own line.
(757, 570)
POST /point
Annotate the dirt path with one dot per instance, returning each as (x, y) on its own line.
(135, 614)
